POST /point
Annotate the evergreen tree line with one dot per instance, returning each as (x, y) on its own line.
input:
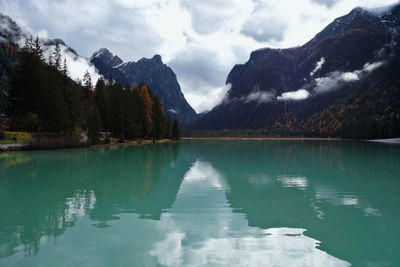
(43, 98)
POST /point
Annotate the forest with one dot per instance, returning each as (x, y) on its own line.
(41, 98)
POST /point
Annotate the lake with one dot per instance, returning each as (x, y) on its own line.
(203, 203)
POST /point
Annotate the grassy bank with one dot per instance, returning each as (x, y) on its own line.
(13, 141)
(17, 138)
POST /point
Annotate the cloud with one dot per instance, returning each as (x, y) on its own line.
(208, 16)
(300, 94)
(318, 66)
(201, 75)
(263, 25)
(197, 65)
(259, 96)
(173, 111)
(369, 67)
(328, 3)
(207, 100)
(77, 65)
(336, 79)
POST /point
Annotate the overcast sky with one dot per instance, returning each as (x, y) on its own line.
(201, 40)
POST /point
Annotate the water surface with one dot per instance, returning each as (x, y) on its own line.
(203, 203)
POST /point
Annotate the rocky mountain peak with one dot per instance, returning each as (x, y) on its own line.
(106, 57)
(151, 71)
(157, 58)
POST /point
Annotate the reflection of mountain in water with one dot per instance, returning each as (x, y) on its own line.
(203, 202)
(201, 229)
(100, 184)
(329, 188)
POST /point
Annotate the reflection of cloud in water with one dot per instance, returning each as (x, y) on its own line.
(330, 195)
(202, 230)
(260, 180)
(299, 182)
(79, 204)
(349, 201)
(368, 211)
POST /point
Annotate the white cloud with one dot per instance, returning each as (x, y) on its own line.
(259, 97)
(318, 66)
(207, 100)
(77, 66)
(336, 79)
(264, 24)
(300, 94)
(328, 3)
(369, 67)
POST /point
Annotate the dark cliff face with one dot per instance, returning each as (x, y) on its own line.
(344, 46)
(153, 72)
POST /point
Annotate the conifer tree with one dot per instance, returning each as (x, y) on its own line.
(87, 80)
(28, 44)
(57, 57)
(176, 132)
(158, 119)
(147, 125)
(37, 48)
(94, 124)
(102, 101)
(65, 68)
(51, 60)
(168, 127)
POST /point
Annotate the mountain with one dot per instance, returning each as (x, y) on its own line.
(13, 37)
(290, 91)
(153, 72)
(10, 35)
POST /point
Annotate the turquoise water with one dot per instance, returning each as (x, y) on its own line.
(203, 203)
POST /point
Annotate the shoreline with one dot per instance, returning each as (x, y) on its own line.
(20, 146)
(28, 147)
(267, 138)
(135, 142)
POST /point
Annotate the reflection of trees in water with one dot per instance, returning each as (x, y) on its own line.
(61, 186)
(8, 160)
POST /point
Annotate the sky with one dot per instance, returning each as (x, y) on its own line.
(201, 40)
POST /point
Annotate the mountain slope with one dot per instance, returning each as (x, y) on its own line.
(282, 89)
(153, 72)
(11, 34)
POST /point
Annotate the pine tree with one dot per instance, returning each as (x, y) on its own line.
(158, 119)
(51, 60)
(87, 80)
(102, 100)
(176, 132)
(28, 45)
(37, 48)
(65, 68)
(57, 57)
(87, 85)
(168, 128)
(94, 125)
(147, 125)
